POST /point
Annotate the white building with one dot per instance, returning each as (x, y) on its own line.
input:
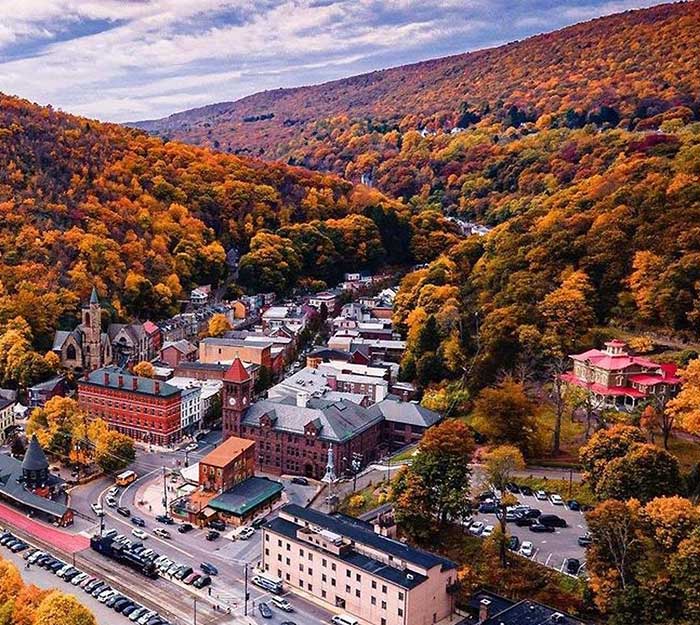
(7, 416)
(209, 394)
(190, 410)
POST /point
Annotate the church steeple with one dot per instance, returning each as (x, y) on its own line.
(92, 332)
(94, 299)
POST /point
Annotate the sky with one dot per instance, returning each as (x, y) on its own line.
(127, 60)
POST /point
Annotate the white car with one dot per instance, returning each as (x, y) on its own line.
(556, 500)
(140, 534)
(78, 578)
(527, 549)
(97, 509)
(476, 528)
(541, 495)
(487, 531)
(281, 603)
(245, 533)
(111, 502)
(113, 492)
(192, 447)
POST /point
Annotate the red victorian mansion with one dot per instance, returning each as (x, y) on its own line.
(619, 380)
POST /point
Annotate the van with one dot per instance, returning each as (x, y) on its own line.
(344, 619)
(267, 584)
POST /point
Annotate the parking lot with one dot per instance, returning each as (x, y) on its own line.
(550, 549)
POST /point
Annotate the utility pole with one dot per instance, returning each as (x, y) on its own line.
(245, 590)
(195, 611)
(165, 493)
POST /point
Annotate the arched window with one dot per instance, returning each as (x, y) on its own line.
(71, 353)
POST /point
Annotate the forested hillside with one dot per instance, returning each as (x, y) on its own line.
(85, 203)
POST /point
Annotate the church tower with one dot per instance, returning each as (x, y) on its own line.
(238, 387)
(92, 333)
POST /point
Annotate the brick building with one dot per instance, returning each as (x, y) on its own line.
(230, 463)
(144, 409)
(223, 350)
(174, 352)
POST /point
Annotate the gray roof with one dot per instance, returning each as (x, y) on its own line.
(143, 385)
(246, 496)
(94, 299)
(47, 385)
(530, 613)
(338, 421)
(183, 346)
(405, 412)
(224, 342)
(34, 457)
(12, 488)
(59, 339)
(134, 330)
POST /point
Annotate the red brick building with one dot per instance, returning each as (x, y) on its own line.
(147, 410)
(174, 352)
(230, 463)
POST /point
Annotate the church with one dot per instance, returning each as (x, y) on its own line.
(87, 347)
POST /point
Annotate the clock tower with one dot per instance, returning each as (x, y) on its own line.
(237, 392)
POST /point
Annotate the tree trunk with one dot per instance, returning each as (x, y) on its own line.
(503, 549)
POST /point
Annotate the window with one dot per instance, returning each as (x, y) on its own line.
(323, 594)
(301, 552)
(279, 557)
(400, 612)
(323, 577)
(373, 601)
(357, 592)
(374, 585)
(332, 566)
(348, 573)
(358, 577)
(383, 605)
(323, 562)
(332, 581)
(449, 581)
(383, 588)
(301, 568)
(347, 589)
(383, 621)
(310, 570)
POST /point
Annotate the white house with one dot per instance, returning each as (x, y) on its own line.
(7, 416)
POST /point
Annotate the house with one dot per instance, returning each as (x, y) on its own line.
(325, 298)
(616, 379)
(295, 318)
(40, 393)
(173, 352)
(200, 295)
(404, 422)
(209, 395)
(31, 487)
(240, 309)
(146, 410)
(488, 608)
(345, 564)
(7, 417)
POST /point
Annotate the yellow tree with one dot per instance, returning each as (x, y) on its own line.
(10, 581)
(684, 409)
(58, 608)
(144, 369)
(218, 325)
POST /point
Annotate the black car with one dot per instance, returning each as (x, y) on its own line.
(530, 513)
(526, 490)
(56, 566)
(121, 604)
(209, 569)
(70, 575)
(524, 521)
(487, 508)
(202, 581)
(20, 546)
(130, 608)
(584, 540)
(574, 505)
(486, 495)
(217, 525)
(184, 528)
(124, 511)
(572, 566)
(212, 535)
(164, 518)
(552, 520)
(265, 611)
(138, 521)
(513, 488)
(182, 572)
(513, 543)
(302, 481)
(258, 523)
(112, 600)
(288, 623)
(538, 528)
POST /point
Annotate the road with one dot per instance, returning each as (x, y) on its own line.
(230, 557)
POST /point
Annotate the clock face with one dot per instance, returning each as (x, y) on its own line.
(245, 400)
(232, 401)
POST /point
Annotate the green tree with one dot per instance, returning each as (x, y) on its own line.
(605, 446)
(114, 451)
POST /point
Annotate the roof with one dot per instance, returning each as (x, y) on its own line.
(150, 327)
(224, 342)
(236, 372)
(600, 389)
(230, 449)
(34, 457)
(12, 488)
(613, 362)
(246, 496)
(47, 385)
(530, 613)
(405, 412)
(338, 421)
(59, 338)
(496, 602)
(94, 299)
(6, 402)
(143, 385)
(326, 353)
(183, 346)
(359, 534)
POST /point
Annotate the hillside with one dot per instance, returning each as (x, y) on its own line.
(85, 203)
(636, 63)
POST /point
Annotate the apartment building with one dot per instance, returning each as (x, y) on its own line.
(345, 564)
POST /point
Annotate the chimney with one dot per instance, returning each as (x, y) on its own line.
(134, 383)
(121, 380)
(484, 609)
(302, 399)
(106, 378)
(156, 387)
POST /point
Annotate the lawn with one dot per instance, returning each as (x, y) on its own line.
(368, 498)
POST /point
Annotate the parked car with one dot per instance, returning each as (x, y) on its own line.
(584, 540)
(191, 578)
(113, 492)
(513, 543)
(487, 531)
(138, 521)
(526, 490)
(265, 611)
(541, 495)
(574, 505)
(524, 521)
(159, 531)
(192, 447)
(183, 572)
(527, 549)
(139, 533)
(556, 500)
(488, 507)
(302, 481)
(204, 580)
(164, 518)
(209, 569)
(212, 535)
(217, 525)
(552, 520)
(572, 565)
(258, 523)
(538, 528)
(184, 528)
(111, 502)
(124, 511)
(78, 578)
(513, 488)
(476, 528)
(97, 509)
